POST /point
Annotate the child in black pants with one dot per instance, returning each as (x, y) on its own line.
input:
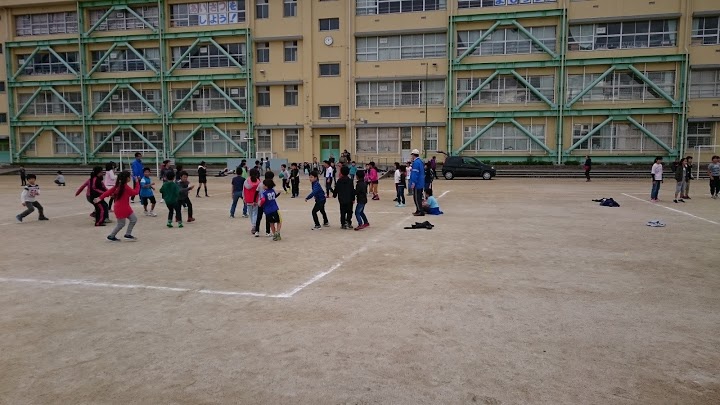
(269, 175)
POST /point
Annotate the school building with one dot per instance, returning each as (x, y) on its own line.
(505, 80)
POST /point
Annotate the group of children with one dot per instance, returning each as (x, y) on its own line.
(682, 171)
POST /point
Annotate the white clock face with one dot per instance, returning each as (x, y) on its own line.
(328, 41)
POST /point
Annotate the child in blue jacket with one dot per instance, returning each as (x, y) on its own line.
(319, 195)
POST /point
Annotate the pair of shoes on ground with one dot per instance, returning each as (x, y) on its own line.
(257, 234)
(19, 219)
(276, 236)
(656, 223)
(677, 201)
(687, 197)
(316, 227)
(361, 227)
(347, 226)
(170, 225)
(418, 214)
(150, 214)
(126, 237)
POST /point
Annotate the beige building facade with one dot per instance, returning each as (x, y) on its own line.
(505, 80)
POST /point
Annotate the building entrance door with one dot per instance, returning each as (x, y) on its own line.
(405, 142)
(329, 145)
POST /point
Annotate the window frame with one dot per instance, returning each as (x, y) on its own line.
(332, 24)
(291, 94)
(292, 47)
(260, 145)
(289, 8)
(287, 134)
(265, 7)
(261, 94)
(332, 107)
(180, 15)
(262, 48)
(328, 65)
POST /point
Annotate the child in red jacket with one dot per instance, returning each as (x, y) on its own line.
(122, 194)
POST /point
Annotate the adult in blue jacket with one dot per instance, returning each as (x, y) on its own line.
(417, 181)
(138, 168)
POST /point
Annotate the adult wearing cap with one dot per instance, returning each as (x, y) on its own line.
(417, 181)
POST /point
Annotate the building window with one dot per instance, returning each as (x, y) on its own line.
(124, 101)
(706, 31)
(264, 140)
(1, 49)
(329, 69)
(504, 137)
(705, 83)
(262, 9)
(369, 7)
(506, 90)
(2, 87)
(3, 118)
(46, 63)
(377, 140)
(621, 86)
(291, 95)
(623, 35)
(121, 20)
(63, 148)
(263, 96)
(329, 24)
(205, 142)
(289, 8)
(263, 52)
(622, 137)
(47, 103)
(291, 48)
(46, 24)
(126, 139)
(125, 60)
(209, 99)
(24, 138)
(292, 139)
(329, 111)
(405, 93)
(431, 138)
(699, 134)
(506, 41)
(397, 47)
(207, 13)
(209, 56)
(496, 3)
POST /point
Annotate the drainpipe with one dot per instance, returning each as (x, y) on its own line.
(685, 78)
(348, 72)
(561, 97)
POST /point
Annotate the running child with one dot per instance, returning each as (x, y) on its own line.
(374, 181)
(28, 199)
(109, 180)
(250, 192)
(92, 192)
(401, 181)
(361, 195)
(146, 193)
(171, 195)
(202, 179)
(320, 200)
(184, 199)
(284, 177)
(345, 194)
(295, 180)
(268, 202)
(237, 193)
(122, 193)
(269, 175)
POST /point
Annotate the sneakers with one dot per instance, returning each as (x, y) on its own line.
(365, 225)
(422, 214)
(18, 218)
(267, 235)
(395, 199)
(376, 197)
(180, 225)
(113, 239)
(45, 219)
(398, 205)
(257, 234)
(169, 224)
(359, 227)
(191, 219)
(245, 216)
(130, 237)
(314, 228)
(108, 221)
(100, 224)
(147, 213)
(276, 236)
(232, 216)
(152, 214)
(326, 224)
(344, 226)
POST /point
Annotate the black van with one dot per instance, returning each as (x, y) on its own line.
(466, 166)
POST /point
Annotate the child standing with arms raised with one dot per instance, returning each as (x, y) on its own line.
(171, 195)
(122, 193)
(268, 202)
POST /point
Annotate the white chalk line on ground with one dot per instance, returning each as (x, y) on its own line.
(54, 217)
(289, 294)
(342, 261)
(673, 209)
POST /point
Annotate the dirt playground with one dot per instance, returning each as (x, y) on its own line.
(525, 292)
